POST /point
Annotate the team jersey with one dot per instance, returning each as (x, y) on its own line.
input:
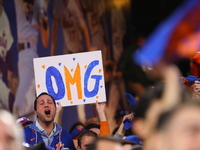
(29, 14)
(6, 38)
(62, 139)
(69, 14)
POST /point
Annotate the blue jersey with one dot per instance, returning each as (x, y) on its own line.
(62, 139)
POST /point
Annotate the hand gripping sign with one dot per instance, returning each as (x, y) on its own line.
(72, 79)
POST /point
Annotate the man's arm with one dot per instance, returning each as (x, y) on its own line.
(104, 127)
(58, 116)
(121, 131)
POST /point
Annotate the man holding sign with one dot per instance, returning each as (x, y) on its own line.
(44, 129)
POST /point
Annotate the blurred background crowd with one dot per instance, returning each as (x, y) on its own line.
(150, 53)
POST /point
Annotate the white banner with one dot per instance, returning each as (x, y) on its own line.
(72, 79)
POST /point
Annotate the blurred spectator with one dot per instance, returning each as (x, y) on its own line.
(121, 130)
(10, 137)
(85, 138)
(115, 89)
(76, 125)
(132, 142)
(179, 128)
(93, 127)
(24, 122)
(100, 126)
(92, 120)
(120, 113)
(146, 114)
(75, 134)
(105, 143)
(197, 88)
(135, 77)
(104, 127)
(162, 97)
(119, 117)
(191, 85)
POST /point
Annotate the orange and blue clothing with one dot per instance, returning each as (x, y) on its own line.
(59, 138)
(175, 38)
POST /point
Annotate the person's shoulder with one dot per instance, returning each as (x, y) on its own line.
(66, 137)
(30, 127)
(63, 131)
(27, 130)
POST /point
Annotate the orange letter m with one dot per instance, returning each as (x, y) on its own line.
(76, 79)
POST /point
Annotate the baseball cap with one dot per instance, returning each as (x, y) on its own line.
(76, 132)
(23, 121)
(133, 139)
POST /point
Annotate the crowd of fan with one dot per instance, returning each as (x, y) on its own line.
(166, 116)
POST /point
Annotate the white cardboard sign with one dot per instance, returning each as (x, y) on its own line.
(72, 79)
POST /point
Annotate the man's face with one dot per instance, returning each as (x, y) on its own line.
(85, 141)
(183, 131)
(147, 125)
(8, 140)
(108, 145)
(152, 115)
(96, 130)
(127, 146)
(75, 141)
(10, 136)
(45, 109)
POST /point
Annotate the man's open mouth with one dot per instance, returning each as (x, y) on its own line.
(47, 112)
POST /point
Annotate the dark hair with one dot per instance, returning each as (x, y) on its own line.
(86, 133)
(74, 126)
(43, 93)
(92, 125)
(137, 147)
(93, 146)
(147, 98)
(165, 118)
